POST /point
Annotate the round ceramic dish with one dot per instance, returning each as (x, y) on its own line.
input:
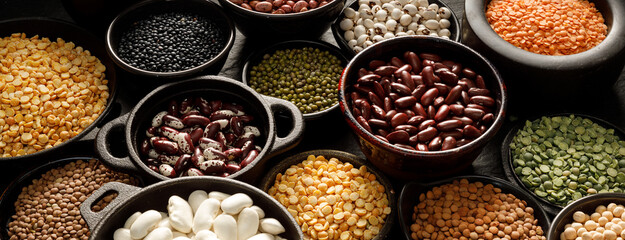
(587, 205)
(284, 164)
(508, 166)
(204, 8)
(53, 29)
(411, 164)
(257, 57)
(349, 52)
(409, 197)
(131, 199)
(131, 127)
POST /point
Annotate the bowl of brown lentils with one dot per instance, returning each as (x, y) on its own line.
(303, 72)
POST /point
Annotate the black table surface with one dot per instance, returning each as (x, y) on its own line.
(331, 132)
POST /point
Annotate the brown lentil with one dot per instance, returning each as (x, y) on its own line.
(549, 27)
(332, 200)
(463, 210)
(50, 92)
(49, 208)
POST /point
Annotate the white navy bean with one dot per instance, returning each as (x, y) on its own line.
(271, 226)
(247, 223)
(235, 203)
(205, 215)
(225, 227)
(180, 214)
(196, 198)
(144, 223)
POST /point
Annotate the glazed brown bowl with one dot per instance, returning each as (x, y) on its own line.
(587, 205)
(268, 181)
(131, 199)
(411, 164)
(118, 143)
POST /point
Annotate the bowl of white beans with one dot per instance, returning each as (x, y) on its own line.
(365, 22)
(599, 216)
(189, 208)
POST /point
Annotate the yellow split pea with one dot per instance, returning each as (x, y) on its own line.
(49, 92)
(332, 200)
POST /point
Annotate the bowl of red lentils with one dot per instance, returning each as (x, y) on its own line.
(470, 207)
(333, 195)
(554, 49)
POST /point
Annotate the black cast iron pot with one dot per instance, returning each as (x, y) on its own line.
(130, 129)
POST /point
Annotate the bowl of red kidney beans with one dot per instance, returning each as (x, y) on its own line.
(205, 126)
(422, 106)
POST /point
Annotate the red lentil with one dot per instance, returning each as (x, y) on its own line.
(549, 27)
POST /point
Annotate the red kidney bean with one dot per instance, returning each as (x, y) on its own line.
(474, 113)
(438, 101)
(363, 71)
(427, 134)
(448, 143)
(251, 156)
(378, 90)
(465, 98)
(427, 63)
(430, 56)
(440, 65)
(471, 131)
(381, 138)
(456, 133)
(479, 82)
(414, 61)
(428, 96)
(400, 88)
(375, 99)
(482, 129)
(165, 146)
(388, 104)
(428, 76)
(426, 124)
(431, 112)
(435, 144)
(390, 115)
(299, 5)
(456, 68)
(395, 61)
(378, 112)
(447, 76)
(398, 136)
(369, 78)
(456, 109)
(386, 85)
(442, 89)
(356, 111)
(419, 91)
(394, 96)
(377, 123)
(416, 120)
(485, 109)
(448, 63)
(478, 92)
(410, 129)
(376, 63)
(399, 119)
(454, 94)
(422, 147)
(365, 110)
(419, 110)
(410, 113)
(363, 122)
(465, 120)
(382, 132)
(196, 134)
(448, 125)
(232, 167)
(405, 102)
(404, 146)
(442, 113)
(483, 100)
(488, 118)
(469, 73)
(385, 70)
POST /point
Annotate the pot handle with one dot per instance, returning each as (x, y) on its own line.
(283, 144)
(102, 146)
(124, 192)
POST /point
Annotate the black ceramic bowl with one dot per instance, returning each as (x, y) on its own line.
(508, 165)
(11, 193)
(310, 24)
(132, 127)
(340, 39)
(550, 78)
(587, 205)
(411, 164)
(131, 199)
(257, 57)
(53, 29)
(140, 10)
(269, 179)
(409, 198)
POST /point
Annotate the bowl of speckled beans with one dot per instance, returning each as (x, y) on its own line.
(171, 39)
(554, 49)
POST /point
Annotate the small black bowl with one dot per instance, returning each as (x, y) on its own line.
(268, 181)
(508, 166)
(587, 205)
(409, 197)
(257, 57)
(138, 11)
(310, 24)
(349, 52)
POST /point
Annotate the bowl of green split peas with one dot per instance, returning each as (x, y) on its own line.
(562, 158)
(301, 71)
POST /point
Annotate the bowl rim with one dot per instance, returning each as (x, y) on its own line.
(476, 19)
(257, 55)
(340, 39)
(286, 16)
(506, 154)
(474, 144)
(403, 196)
(228, 30)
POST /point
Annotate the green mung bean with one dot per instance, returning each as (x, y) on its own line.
(564, 158)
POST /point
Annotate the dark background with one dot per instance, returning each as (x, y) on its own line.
(330, 132)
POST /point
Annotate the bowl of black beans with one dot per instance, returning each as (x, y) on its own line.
(303, 72)
(171, 38)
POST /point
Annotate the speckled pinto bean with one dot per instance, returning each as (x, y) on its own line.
(281, 6)
(422, 102)
(196, 137)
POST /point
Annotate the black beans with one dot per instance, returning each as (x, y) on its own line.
(171, 42)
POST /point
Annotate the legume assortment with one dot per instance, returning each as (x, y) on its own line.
(332, 200)
(464, 210)
(49, 208)
(215, 215)
(305, 76)
(605, 223)
(422, 102)
(281, 6)
(564, 158)
(171, 42)
(196, 137)
(51, 91)
(549, 27)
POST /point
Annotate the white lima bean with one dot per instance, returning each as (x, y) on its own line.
(122, 234)
(235, 203)
(206, 235)
(144, 223)
(247, 223)
(271, 225)
(225, 227)
(261, 213)
(218, 195)
(161, 233)
(262, 236)
(205, 215)
(131, 219)
(180, 214)
(196, 198)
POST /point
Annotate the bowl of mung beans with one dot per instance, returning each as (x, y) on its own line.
(561, 158)
(421, 106)
(304, 72)
(334, 195)
(44, 202)
(470, 207)
(554, 49)
(598, 216)
(57, 85)
(165, 39)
